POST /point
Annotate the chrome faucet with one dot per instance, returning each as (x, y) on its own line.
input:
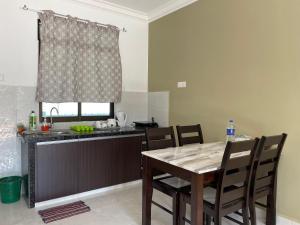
(51, 119)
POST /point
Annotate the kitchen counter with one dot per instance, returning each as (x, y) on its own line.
(63, 162)
(57, 135)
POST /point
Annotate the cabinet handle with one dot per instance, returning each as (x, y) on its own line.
(109, 137)
(87, 139)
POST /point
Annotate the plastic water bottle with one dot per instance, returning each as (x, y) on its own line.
(230, 131)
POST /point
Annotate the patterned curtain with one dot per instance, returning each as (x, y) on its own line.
(78, 61)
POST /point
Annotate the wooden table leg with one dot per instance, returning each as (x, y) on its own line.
(147, 191)
(197, 199)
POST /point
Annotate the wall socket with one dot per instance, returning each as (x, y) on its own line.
(2, 77)
(181, 84)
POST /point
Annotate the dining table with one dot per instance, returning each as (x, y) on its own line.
(191, 163)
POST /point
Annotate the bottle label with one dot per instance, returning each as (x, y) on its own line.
(32, 122)
(230, 131)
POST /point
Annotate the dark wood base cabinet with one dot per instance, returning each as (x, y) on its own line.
(56, 170)
(118, 161)
(68, 167)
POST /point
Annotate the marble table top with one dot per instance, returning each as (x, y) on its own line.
(197, 158)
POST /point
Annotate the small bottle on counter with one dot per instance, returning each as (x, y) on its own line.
(32, 121)
(45, 126)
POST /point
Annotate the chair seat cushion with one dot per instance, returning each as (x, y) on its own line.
(175, 182)
(210, 195)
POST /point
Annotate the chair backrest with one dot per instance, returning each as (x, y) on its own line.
(182, 131)
(268, 155)
(234, 176)
(158, 138)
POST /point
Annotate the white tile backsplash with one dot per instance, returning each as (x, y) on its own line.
(10, 157)
(25, 101)
(16, 103)
(159, 107)
(135, 104)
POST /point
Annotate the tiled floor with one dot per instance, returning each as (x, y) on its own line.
(117, 207)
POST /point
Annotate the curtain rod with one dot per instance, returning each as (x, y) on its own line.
(65, 16)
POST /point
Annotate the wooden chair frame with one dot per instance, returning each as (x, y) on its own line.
(156, 139)
(233, 185)
(181, 130)
(264, 177)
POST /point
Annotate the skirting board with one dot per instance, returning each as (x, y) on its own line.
(95, 193)
(261, 215)
(284, 221)
(88, 194)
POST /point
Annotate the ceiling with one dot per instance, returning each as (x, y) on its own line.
(148, 10)
(145, 6)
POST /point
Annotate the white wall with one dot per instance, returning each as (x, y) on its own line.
(19, 45)
(19, 63)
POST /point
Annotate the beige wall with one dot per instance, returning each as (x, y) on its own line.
(241, 60)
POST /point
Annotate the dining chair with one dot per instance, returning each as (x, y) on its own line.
(160, 138)
(233, 185)
(264, 177)
(194, 133)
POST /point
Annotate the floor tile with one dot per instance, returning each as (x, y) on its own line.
(122, 206)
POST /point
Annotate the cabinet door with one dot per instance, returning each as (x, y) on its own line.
(96, 167)
(109, 162)
(56, 170)
(128, 158)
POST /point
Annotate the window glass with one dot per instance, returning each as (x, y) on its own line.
(95, 109)
(69, 109)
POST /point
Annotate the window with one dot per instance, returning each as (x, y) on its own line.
(73, 111)
(69, 109)
(95, 109)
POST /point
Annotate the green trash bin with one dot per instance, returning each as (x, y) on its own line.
(10, 189)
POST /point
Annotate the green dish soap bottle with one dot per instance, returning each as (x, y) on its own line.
(32, 121)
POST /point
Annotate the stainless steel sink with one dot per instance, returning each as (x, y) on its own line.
(53, 132)
(59, 132)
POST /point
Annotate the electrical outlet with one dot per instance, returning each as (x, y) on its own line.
(1, 77)
(181, 84)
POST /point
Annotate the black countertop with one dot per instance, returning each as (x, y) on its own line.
(56, 135)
